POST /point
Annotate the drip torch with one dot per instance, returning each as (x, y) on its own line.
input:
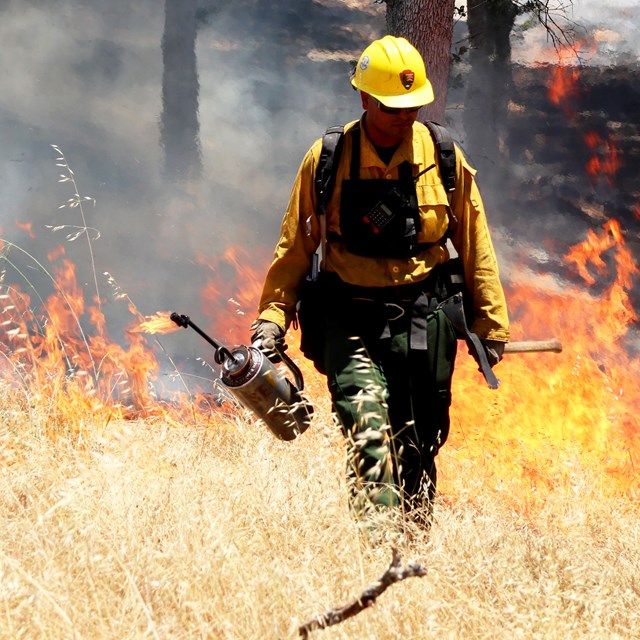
(260, 386)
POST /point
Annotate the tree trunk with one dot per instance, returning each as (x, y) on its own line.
(428, 26)
(179, 127)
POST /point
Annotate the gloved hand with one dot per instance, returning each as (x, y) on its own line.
(267, 337)
(494, 349)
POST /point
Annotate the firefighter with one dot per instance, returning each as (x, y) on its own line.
(388, 349)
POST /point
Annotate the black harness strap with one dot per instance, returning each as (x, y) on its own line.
(454, 310)
(418, 332)
(354, 171)
(446, 154)
(328, 165)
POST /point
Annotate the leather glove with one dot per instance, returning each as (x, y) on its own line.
(267, 337)
(495, 351)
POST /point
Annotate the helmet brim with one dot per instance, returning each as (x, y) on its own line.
(417, 98)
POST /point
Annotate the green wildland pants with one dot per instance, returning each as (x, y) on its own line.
(392, 399)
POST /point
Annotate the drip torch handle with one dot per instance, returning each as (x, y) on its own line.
(295, 370)
(222, 353)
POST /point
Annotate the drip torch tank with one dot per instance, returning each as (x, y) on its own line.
(260, 386)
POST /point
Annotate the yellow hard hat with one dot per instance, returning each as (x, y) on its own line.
(392, 71)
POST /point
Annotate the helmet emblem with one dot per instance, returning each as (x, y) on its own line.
(407, 77)
(364, 63)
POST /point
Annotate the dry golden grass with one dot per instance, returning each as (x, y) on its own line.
(143, 530)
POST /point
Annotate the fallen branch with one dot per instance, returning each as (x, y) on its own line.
(395, 573)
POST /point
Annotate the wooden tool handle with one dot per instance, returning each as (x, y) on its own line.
(532, 346)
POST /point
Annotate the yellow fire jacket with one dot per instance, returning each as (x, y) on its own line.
(300, 234)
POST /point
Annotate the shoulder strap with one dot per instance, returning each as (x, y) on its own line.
(327, 165)
(446, 155)
(447, 162)
(325, 180)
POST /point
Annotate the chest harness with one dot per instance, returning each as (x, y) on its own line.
(380, 218)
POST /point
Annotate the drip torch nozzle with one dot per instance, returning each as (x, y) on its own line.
(180, 320)
(222, 353)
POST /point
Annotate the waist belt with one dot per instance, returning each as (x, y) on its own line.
(397, 294)
(414, 299)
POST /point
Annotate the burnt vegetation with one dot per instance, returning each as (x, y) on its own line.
(574, 165)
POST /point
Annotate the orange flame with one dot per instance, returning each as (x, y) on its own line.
(54, 254)
(583, 403)
(27, 227)
(563, 88)
(604, 163)
(564, 78)
(158, 323)
(233, 290)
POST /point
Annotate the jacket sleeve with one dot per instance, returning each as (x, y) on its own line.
(472, 241)
(299, 238)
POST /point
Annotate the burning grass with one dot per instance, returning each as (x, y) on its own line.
(187, 520)
(143, 530)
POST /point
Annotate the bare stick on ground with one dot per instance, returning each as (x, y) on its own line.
(395, 573)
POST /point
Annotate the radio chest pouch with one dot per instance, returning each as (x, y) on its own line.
(380, 218)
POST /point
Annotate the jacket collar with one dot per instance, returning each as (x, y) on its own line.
(408, 151)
